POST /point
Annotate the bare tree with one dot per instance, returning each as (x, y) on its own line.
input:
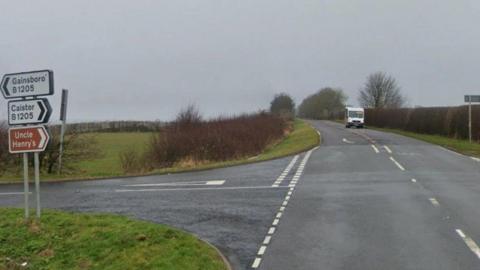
(381, 91)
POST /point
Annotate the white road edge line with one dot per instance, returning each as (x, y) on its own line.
(469, 242)
(397, 163)
(375, 149)
(476, 159)
(388, 149)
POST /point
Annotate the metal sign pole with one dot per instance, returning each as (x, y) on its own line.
(470, 120)
(25, 184)
(63, 117)
(37, 182)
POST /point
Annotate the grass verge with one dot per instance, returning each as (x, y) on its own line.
(460, 146)
(302, 138)
(98, 241)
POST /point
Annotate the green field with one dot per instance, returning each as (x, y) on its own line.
(460, 146)
(98, 241)
(107, 164)
(112, 145)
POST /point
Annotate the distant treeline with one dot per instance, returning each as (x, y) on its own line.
(113, 126)
(446, 121)
(326, 103)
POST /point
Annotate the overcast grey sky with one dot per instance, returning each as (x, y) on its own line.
(146, 59)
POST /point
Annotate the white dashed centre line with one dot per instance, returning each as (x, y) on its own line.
(414, 180)
(397, 163)
(434, 201)
(388, 149)
(469, 242)
(375, 149)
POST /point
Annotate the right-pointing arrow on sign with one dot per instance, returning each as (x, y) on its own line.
(42, 110)
(43, 137)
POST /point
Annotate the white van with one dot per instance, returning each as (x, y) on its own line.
(354, 117)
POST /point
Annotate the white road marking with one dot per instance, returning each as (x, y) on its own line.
(375, 149)
(397, 163)
(434, 201)
(256, 263)
(192, 189)
(13, 193)
(194, 183)
(476, 159)
(285, 172)
(469, 242)
(388, 149)
(271, 231)
(267, 240)
(347, 141)
(414, 180)
(261, 251)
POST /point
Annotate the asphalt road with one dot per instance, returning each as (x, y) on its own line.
(363, 200)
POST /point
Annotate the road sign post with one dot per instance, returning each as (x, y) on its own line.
(25, 184)
(470, 99)
(37, 182)
(63, 118)
(28, 110)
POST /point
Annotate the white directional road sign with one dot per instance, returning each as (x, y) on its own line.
(32, 111)
(470, 98)
(27, 84)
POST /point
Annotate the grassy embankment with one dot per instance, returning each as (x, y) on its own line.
(303, 137)
(460, 146)
(98, 241)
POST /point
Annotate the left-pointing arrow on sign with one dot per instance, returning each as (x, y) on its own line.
(4, 87)
(25, 112)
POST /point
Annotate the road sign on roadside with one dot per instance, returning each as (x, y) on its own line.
(470, 98)
(27, 84)
(27, 139)
(32, 111)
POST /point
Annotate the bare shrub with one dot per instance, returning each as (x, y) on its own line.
(131, 161)
(191, 140)
(3, 147)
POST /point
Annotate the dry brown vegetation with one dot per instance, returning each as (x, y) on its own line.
(193, 140)
(3, 147)
(446, 121)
